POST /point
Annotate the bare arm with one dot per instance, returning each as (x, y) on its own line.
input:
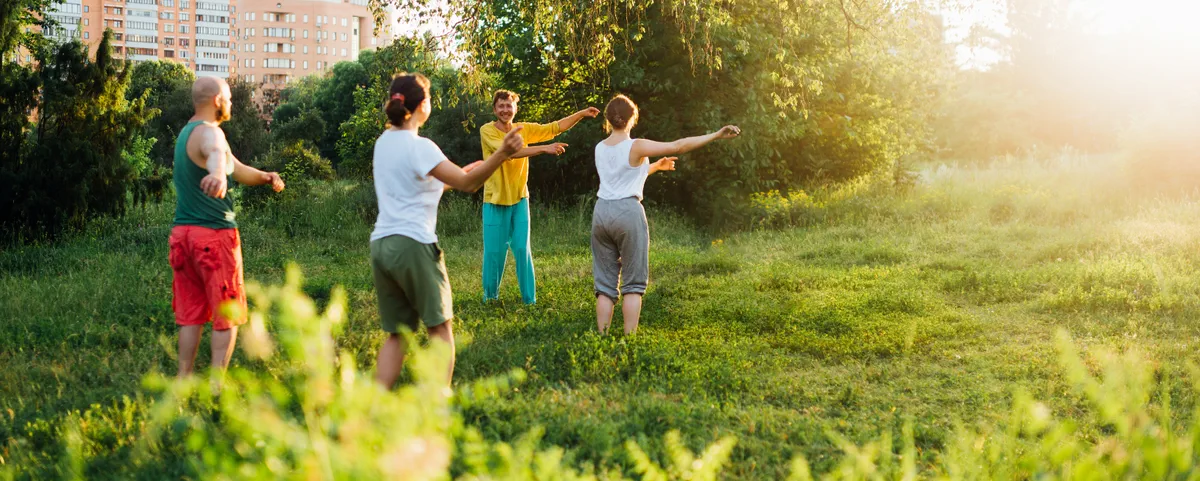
(556, 148)
(212, 150)
(643, 148)
(565, 123)
(246, 175)
(663, 164)
(472, 179)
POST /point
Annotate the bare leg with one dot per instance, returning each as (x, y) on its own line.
(391, 361)
(189, 343)
(222, 347)
(604, 312)
(631, 309)
(445, 332)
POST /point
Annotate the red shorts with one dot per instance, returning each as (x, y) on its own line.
(207, 265)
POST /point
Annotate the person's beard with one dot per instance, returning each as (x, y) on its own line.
(222, 114)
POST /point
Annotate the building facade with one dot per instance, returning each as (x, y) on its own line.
(265, 42)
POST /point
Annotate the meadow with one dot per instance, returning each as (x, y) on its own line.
(827, 321)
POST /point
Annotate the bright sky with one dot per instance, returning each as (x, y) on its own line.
(1162, 25)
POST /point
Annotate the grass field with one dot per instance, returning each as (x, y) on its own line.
(931, 307)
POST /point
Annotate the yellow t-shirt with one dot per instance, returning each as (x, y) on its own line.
(508, 185)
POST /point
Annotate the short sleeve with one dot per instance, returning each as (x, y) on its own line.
(429, 157)
(535, 133)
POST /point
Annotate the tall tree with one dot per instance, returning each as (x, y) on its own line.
(246, 130)
(167, 86)
(73, 164)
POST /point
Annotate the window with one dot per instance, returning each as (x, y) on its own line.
(343, 21)
(343, 37)
(168, 41)
(212, 18)
(168, 28)
(212, 68)
(86, 22)
(306, 51)
(184, 17)
(343, 52)
(141, 38)
(185, 4)
(142, 25)
(306, 65)
(305, 33)
(212, 43)
(169, 53)
(277, 63)
(318, 65)
(166, 15)
(85, 9)
(373, 41)
(183, 42)
(87, 35)
(183, 29)
(306, 18)
(167, 3)
(220, 7)
(224, 32)
(183, 54)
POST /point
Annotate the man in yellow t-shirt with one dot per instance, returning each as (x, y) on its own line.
(506, 193)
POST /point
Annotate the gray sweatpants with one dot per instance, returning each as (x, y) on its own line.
(620, 247)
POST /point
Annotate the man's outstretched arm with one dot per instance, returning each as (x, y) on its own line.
(565, 123)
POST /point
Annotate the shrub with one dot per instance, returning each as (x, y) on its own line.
(299, 165)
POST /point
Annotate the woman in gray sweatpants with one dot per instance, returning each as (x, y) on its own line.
(620, 234)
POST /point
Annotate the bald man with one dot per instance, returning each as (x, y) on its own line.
(206, 251)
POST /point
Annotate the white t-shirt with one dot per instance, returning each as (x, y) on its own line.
(408, 194)
(617, 179)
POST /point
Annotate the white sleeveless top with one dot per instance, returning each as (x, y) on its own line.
(617, 179)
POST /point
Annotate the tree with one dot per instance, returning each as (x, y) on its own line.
(304, 127)
(334, 99)
(167, 86)
(824, 91)
(459, 105)
(72, 165)
(246, 131)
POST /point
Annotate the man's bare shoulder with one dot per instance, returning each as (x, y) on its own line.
(204, 138)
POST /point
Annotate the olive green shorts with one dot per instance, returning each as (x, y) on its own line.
(411, 283)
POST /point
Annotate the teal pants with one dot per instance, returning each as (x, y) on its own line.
(507, 227)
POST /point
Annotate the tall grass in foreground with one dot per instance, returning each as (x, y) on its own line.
(316, 416)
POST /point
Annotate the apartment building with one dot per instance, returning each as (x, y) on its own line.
(266, 42)
(279, 40)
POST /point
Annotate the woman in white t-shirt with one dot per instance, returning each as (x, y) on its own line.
(620, 232)
(411, 173)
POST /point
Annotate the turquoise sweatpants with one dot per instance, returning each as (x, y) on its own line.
(505, 227)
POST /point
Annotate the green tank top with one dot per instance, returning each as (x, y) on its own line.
(192, 205)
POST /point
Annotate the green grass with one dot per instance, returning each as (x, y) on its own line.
(931, 307)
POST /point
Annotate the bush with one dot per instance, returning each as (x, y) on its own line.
(71, 167)
(299, 165)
